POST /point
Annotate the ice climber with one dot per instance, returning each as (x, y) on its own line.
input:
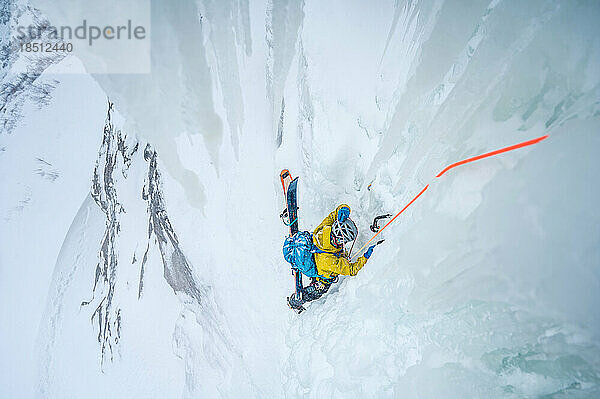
(330, 257)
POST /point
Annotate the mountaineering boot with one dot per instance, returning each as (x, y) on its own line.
(315, 290)
(311, 293)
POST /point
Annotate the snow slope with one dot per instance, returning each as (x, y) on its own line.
(148, 239)
(46, 156)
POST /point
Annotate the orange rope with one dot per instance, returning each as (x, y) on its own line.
(447, 168)
(489, 154)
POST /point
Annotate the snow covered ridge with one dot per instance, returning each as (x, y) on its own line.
(111, 191)
(122, 262)
(104, 194)
(115, 157)
(17, 88)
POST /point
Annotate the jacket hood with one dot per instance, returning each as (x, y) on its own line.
(323, 240)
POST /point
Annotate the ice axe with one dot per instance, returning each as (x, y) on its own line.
(378, 242)
(375, 227)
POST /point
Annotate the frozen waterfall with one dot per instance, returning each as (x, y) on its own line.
(140, 239)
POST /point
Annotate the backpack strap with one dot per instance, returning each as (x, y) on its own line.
(291, 223)
(320, 251)
(317, 250)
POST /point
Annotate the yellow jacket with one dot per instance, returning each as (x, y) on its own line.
(328, 264)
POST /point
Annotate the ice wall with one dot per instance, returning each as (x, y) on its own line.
(487, 287)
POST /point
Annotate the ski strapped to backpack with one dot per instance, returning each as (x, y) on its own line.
(289, 216)
(299, 250)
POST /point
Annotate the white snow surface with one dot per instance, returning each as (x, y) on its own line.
(486, 287)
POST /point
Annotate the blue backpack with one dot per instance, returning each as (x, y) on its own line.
(298, 250)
